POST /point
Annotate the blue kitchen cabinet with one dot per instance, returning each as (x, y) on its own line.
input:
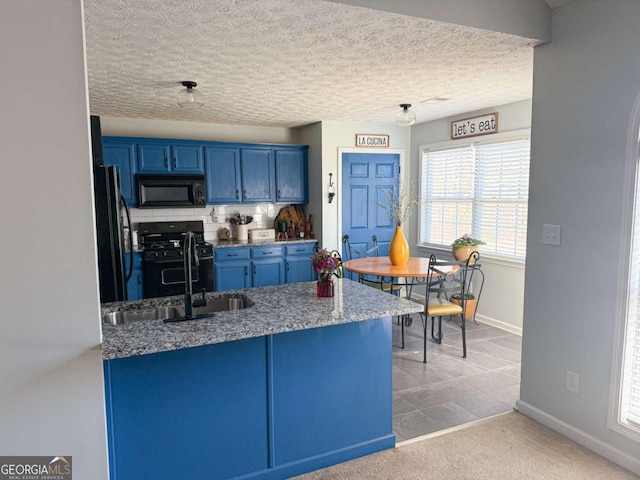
(258, 175)
(222, 169)
(267, 266)
(192, 413)
(232, 268)
(265, 408)
(134, 285)
(170, 157)
(298, 264)
(291, 176)
(122, 154)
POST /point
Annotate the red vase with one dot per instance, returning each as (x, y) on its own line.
(324, 288)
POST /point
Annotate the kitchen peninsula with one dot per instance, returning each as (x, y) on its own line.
(288, 385)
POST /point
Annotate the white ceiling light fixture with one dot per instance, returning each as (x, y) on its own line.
(406, 117)
(189, 97)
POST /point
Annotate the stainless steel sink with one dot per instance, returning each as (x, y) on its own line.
(130, 316)
(214, 305)
(222, 303)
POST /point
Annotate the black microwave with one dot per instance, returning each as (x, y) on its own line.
(157, 191)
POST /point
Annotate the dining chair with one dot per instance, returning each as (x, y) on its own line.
(445, 278)
(378, 282)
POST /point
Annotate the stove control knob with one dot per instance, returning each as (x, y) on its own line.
(164, 254)
(180, 252)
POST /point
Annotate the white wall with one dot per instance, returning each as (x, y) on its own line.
(312, 135)
(336, 135)
(51, 393)
(585, 85)
(502, 298)
(142, 127)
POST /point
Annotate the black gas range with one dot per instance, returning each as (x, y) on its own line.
(163, 252)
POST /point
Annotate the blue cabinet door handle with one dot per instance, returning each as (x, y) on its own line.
(166, 162)
(175, 163)
(232, 255)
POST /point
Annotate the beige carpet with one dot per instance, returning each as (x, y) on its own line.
(509, 446)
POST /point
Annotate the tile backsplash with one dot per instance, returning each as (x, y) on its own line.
(214, 217)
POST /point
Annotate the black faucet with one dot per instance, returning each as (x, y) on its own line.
(189, 253)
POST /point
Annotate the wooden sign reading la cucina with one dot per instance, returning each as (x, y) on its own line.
(474, 126)
(372, 140)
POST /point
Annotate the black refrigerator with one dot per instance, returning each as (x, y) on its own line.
(110, 204)
(114, 263)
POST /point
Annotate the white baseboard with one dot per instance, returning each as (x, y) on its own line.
(582, 438)
(494, 322)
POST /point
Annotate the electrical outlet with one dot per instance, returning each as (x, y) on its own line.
(551, 234)
(573, 380)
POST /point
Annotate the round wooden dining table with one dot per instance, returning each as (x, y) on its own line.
(416, 267)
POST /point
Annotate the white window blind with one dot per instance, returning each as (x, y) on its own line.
(481, 190)
(630, 404)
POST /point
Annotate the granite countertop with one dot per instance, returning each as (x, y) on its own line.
(257, 243)
(277, 309)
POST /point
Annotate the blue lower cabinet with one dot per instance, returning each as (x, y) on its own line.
(134, 285)
(232, 276)
(267, 272)
(232, 268)
(299, 267)
(267, 266)
(192, 413)
(269, 407)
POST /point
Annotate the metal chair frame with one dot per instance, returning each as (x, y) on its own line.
(386, 284)
(445, 278)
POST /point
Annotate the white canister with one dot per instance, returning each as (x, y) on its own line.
(242, 232)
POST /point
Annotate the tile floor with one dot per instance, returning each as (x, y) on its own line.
(449, 390)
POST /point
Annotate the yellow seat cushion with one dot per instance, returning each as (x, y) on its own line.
(387, 287)
(439, 306)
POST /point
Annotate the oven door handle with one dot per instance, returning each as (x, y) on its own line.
(179, 261)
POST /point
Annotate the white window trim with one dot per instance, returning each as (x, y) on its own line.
(503, 137)
(614, 421)
(485, 257)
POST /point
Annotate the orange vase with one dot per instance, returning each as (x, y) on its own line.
(398, 248)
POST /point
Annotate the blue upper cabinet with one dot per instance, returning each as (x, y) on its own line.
(153, 158)
(187, 158)
(222, 167)
(122, 154)
(235, 172)
(168, 157)
(258, 175)
(291, 176)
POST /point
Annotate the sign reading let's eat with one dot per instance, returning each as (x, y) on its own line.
(474, 126)
(369, 140)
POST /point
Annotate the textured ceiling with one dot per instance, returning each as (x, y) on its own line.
(293, 62)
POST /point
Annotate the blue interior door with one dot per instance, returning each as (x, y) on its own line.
(365, 177)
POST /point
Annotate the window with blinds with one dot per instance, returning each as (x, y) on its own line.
(477, 189)
(630, 400)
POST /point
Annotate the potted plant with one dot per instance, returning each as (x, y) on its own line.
(326, 264)
(470, 304)
(465, 246)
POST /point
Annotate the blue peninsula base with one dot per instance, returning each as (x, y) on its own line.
(268, 407)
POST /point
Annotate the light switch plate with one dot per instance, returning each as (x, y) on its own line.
(551, 234)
